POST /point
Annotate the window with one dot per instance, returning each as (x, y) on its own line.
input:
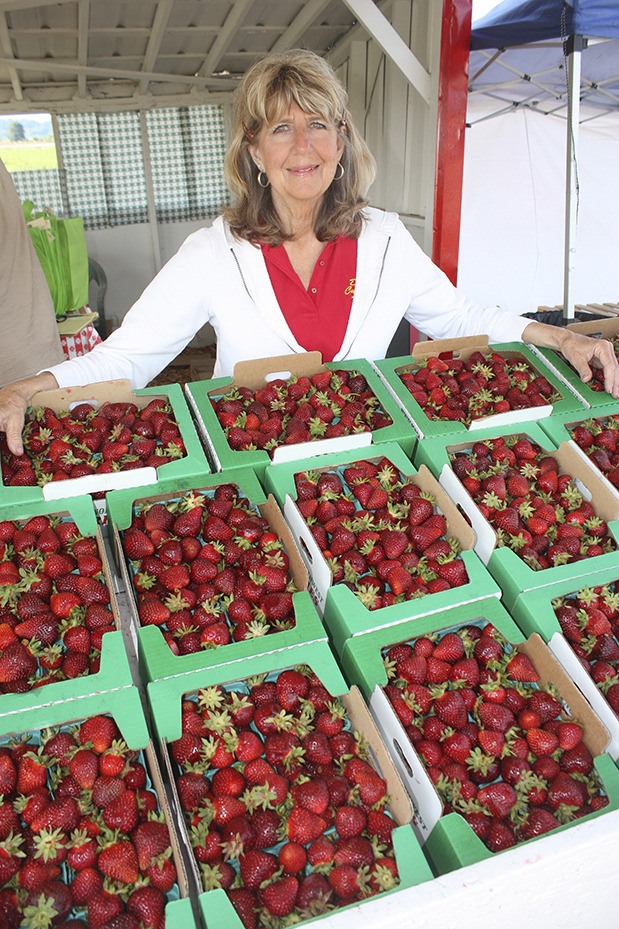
(103, 178)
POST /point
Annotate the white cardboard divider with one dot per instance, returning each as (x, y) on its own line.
(527, 415)
(97, 483)
(427, 806)
(566, 656)
(321, 447)
(320, 577)
(614, 490)
(485, 541)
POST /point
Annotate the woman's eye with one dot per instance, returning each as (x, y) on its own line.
(317, 124)
(282, 127)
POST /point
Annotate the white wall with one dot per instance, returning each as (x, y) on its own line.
(513, 210)
(127, 256)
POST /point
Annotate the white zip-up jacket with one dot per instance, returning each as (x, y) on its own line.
(215, 278)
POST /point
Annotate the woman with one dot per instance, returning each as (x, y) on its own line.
(299, 262)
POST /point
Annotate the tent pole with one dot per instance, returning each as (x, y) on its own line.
(574, 47)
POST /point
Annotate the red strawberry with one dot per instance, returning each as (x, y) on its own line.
(119, 862)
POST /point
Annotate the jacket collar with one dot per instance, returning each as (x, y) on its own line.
(372, 248)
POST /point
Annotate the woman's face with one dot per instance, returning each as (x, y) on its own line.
(299, 154)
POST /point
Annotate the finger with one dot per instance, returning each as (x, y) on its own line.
(611, 380)
(582, 366)
(14, 440)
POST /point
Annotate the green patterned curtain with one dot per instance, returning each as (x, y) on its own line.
(103, 172)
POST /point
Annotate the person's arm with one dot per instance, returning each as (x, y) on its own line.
(580, 350)
(14, 401)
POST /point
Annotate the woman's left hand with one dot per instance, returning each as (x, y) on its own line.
(584, 353)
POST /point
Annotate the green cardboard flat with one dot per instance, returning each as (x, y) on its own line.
(253, 374)
(125, 705)
(193, 462)
(361, 658)
(342, 612)
(391, 369)
(156, 660)
(434, 451)
(533, 612)
(114, 670)
(165, 699)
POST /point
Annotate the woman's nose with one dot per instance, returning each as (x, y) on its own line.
(301, 137)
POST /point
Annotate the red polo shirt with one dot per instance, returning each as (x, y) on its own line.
(318, 316)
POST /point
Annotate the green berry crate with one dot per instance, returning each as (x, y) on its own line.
(255, 374)
(361, 661)
(192, 463)
(509, 571)
(560, 430)
(390, 370)
(342, 612)
(597, 329)
(447, 839)
(533, 612)
(114, 671)
(165, 698)
(434, 452)
(125, 706)
(156, 660)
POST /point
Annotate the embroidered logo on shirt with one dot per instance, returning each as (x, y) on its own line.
(350, 290)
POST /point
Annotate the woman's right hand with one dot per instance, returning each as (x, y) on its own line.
(14, 401)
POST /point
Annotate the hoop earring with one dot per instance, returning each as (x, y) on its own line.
(261, 175)
(338, 177)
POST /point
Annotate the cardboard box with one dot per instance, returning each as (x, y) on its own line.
(511, 573)
(165, 699)
(391, 370)
(447, 839)
(533, 612)
(155, 657)
(114, 670)
(596, 329)
(257, 373)
(125, 706)
(192, 463)
(343, 613)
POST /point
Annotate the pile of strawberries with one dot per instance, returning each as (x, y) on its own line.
(485, 384)
(380, 533)
(599, 440)
(85, 440)
(283, 805)
(330, 403)
(536, 510)
(82, 839)
(208, 569)
(54, 603)
(498, 747)
(589, 619)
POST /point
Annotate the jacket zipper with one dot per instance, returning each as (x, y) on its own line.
(247, 291)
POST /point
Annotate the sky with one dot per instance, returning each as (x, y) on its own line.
(481, 7)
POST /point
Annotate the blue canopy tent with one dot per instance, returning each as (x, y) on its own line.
(552, 56)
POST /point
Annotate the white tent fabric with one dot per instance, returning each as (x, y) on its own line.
(513, 208)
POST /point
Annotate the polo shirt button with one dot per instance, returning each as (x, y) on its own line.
(322, 264)
(313, 290)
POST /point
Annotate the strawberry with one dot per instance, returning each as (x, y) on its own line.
(279, 897)
(119, 862)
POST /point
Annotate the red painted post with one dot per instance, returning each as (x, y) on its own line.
(451, 124)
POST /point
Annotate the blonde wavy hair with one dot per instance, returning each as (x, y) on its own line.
(265, 94)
